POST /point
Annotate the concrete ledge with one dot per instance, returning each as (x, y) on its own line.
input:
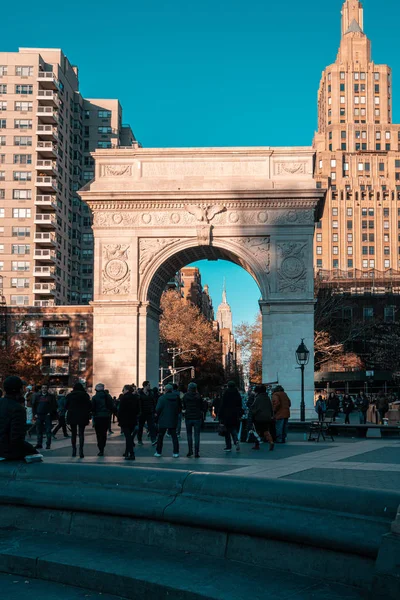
(222, 517)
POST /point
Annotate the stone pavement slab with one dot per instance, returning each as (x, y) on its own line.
(21, 588)
(326, 462)
(382, 455)
(353, 478)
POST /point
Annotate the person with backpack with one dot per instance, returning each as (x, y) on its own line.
(102, 409)
(320, 408)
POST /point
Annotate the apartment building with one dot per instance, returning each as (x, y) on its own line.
(358, 158)
(65, 341)
(47, 131)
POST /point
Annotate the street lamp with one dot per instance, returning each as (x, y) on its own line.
(302, 357)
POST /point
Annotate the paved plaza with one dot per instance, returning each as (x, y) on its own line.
(364, 463)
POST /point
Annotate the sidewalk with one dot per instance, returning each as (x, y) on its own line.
(369, 463)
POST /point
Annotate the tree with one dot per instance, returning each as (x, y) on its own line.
(182, 325)
(22, 359)
(249, 338)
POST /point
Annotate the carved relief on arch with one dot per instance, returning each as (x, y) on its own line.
(149, 248)
(259, 247)
(116, 272)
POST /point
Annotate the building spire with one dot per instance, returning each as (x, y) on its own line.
(224, 292)
(352, 17)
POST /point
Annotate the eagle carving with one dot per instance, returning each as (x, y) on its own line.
(204, 213)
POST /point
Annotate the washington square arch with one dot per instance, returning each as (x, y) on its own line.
(157, 210)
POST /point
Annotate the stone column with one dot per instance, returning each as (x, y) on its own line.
(284, 324)
(149, 344)
(288, 312)
(115, 343)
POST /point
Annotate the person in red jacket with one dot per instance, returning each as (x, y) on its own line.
(281, 405)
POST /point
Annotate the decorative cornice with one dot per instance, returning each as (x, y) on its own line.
(270, 203)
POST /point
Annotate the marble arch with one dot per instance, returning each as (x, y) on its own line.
(156, 210)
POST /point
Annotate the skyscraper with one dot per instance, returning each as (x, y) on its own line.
(358, 154)
(47, 131)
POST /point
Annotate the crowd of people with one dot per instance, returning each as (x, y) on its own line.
(26, 410)
(348, 404)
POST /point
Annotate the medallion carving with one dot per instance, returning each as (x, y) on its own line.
(292, 272)
(149, 248)
(116, 273)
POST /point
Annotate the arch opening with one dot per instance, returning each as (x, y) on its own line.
(154, 285)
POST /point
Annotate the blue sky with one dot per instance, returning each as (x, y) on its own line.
(206, 73)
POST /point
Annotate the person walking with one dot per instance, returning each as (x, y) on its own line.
(281, 405)
(363, 406)
(168, 409)
(192, 405)
(128, 412)
(146, 415)
(180, 394)
(230, 413)
(333, 404)
(102, 409)
(61, 410)
(262, 414)
(320, 408)
(13, 424)
(44, 408)
(78, 408)
(348, 407)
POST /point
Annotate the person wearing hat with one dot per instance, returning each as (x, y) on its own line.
(13, 424)
(168, 409)
(102, 409)
(193, 408)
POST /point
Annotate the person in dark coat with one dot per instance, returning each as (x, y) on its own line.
(13, 424)
(61, 410)
(192, 405)
(78, 407)
(147, 409)
(129, 407)
(168, 410)
(333, 404)
(348, 407)
(102, 409)
(230, 413)
(263, 414)
(44, 408)
(363, 406)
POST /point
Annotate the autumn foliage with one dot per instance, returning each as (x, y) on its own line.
(249, 337)
(22, 359)
(183, 326)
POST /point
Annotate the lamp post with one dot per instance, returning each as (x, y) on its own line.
(302, 357)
